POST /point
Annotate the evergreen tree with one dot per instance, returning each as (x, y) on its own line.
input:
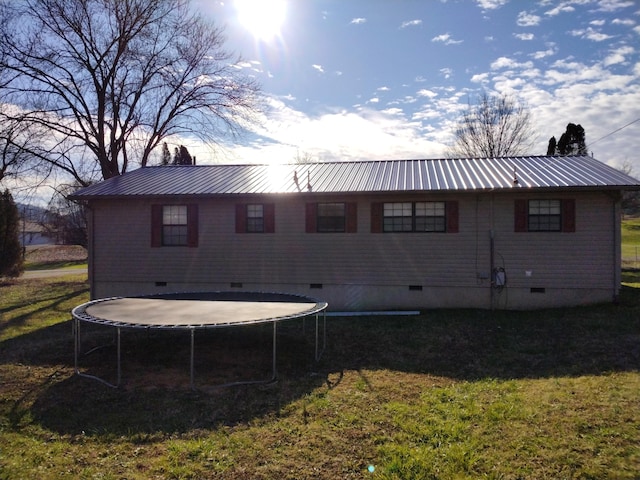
(182, 156)
(572, 142)
(166, 155)
(551, 149)
(11, 262)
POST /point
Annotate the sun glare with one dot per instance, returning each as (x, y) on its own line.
(263, 18)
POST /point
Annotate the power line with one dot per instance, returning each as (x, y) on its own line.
(615, 131)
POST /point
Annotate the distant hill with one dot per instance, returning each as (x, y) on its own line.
(32, 213)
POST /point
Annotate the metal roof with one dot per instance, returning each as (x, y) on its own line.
(432, 175)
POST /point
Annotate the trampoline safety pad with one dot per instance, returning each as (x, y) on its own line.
(157, 312)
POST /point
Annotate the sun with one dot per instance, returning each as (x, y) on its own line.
(263, 18)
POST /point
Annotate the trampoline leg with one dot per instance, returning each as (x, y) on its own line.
(76, 344)
(324, 335)
(191, 367)
(275, 372)
(119, 362)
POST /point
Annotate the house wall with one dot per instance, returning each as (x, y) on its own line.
(364, 270)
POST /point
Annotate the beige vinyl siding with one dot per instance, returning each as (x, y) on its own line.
(362, 269)
(582, 259)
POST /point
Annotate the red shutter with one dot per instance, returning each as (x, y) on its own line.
(451, 209)
(520, 216)
(269, 218)
(192, 225)
(377, 211)
(241, 218)
(351, 217)
(311, 224)
(568, 215)
(156, 226)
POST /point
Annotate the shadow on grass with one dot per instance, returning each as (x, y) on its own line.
(52, 301)
(458, 344)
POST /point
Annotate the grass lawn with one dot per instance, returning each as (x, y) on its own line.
(631, 242)
(47, 257)
(444, 395)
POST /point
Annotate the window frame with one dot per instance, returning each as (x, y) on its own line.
(158, 235)
(547, 221)
(350, 217)
(255, 222)
(175, 226)
(243, 225)
(567, 215)
(331, 223)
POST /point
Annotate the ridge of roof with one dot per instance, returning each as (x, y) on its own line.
(381, 160)
(360, 176)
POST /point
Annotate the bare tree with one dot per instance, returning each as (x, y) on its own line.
(66, 220)
(497, 126)
(115, 77)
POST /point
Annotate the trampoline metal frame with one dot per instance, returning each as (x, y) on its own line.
(80, 315)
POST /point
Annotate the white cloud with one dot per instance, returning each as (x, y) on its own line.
(491, 4)
(342, 135)
(618, 55)
(426, 93)
(446, 72)
(411, 23)
(393, 111)
(524, 36)
(504, 62)
(540, 54)
(383, 89)
(480, 78)
(526, 19)
(562, 8)
(627, 22)
(590, 34)
(598, 23)
(446, 39)
(318, 68)
(613, 5)
(358, 21)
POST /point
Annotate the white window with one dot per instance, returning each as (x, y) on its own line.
(414, 217)
(255, 218)
(331, 217)
(545, 216)
(174, 225)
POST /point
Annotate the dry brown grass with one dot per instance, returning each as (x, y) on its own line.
(48, 254)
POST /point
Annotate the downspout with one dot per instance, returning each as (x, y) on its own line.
(491, 253)
(491, 267)
(91, 252)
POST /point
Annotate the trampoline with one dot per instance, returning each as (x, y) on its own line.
(197, 311)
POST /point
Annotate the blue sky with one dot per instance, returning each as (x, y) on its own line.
(381, 79)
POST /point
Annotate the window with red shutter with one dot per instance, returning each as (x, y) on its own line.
(545, 215)
(377, 209)
(255, 218)
(174, 225)
(331, 217)
(415, 217)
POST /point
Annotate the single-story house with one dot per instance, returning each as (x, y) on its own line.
(508, 233)
(32, 233)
